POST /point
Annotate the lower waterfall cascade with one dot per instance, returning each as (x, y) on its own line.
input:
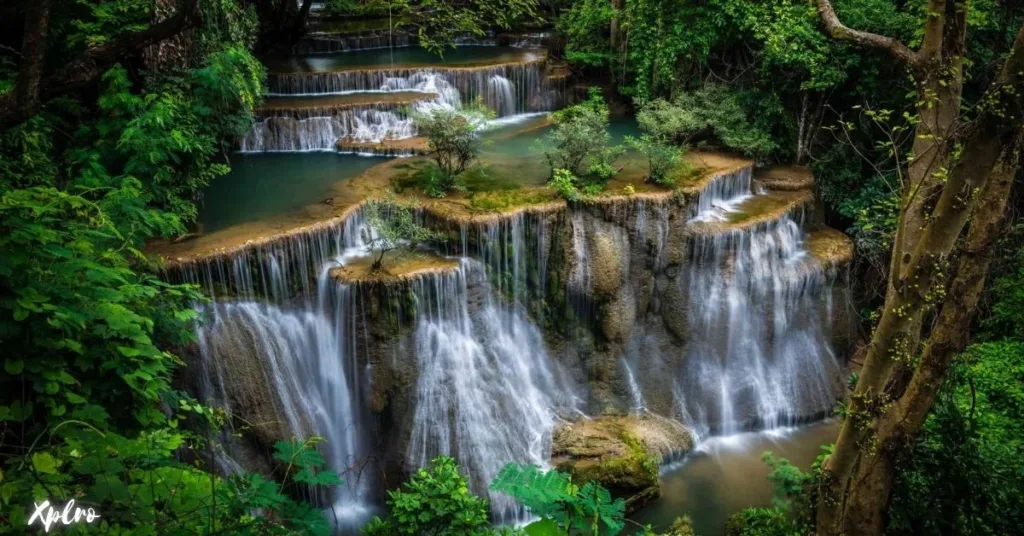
(547, 316)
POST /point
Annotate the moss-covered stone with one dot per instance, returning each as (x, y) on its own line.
(622, 453)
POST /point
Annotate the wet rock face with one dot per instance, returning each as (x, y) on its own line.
(622, 453)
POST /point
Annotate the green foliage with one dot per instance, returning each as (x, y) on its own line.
(565, 508)
(662, 157)
(1007, 315)
(454, 141)
(584, 25)
(713, 111)
(564, 183)
(759, 522)
(580, 142)
(395, 227)
(435, 500)
(965, 473)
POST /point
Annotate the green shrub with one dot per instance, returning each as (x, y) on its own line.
(454, 141)
(713, 111)
(436, 500)
(662, 157)
(580, 142)
(564, 183)
(564, 508)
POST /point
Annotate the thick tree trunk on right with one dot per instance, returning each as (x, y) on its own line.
(938, 195)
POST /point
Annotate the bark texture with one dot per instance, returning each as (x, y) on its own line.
(891, 399)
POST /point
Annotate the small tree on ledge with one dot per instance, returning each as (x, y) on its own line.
(454, 141)
(394, 227)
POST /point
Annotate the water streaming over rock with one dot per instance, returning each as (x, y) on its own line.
(322, 132)
(487, 389)
(721, 331)
(508, 89)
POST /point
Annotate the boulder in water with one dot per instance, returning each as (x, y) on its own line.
(622, 453)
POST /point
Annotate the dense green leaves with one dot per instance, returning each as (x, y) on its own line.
(580, 142)
(436, 500)
(455, 143)
(565, 509)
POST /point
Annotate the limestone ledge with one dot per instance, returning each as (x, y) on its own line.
(397, 268)
(786, 178)
(757, 211)
(830, 247)
(303, 107)
(456, 210)
(403, 147)
(526, 57)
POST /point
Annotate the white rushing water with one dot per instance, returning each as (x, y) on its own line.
(759, 352)
(512, 91)
(483, 384)
(486, 390)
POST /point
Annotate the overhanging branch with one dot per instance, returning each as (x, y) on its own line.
(842, 32)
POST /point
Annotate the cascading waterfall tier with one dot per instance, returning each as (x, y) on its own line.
(487, 390)
(277, 348)
(320, 129)
(508, 89)
(632, 305)
(470, 82)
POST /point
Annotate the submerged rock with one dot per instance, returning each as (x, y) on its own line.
(622, 453)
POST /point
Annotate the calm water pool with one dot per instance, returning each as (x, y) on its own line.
(264, 185)
(725, 475)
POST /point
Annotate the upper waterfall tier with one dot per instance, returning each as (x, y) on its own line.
(328, 105)
(410, 58)
(361, 99)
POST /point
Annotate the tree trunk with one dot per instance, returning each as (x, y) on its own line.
(868, 500)
(938, 196)
(33, 46)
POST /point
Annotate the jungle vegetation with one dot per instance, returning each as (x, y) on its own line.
(115, 114)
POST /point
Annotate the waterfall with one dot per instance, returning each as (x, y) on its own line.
(486, 390)
(724, 194)
(304, 349)
(511, 90)
(501, 95)
(308, 359)
(469, 83)
(276, 134)
(635, 393)
(759, 352)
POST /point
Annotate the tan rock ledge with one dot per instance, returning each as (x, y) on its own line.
(326, 105)
(397, 267)
(404, 147)
(785, 178)
(830, 247)
(510, 58)
(347, 195)
(758, 210)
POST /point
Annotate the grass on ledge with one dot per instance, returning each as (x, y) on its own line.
(484, 189)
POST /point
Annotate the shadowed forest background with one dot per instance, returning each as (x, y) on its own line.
(117, 115)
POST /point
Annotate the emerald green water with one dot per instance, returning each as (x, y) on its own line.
(265, 185)
(262, 186)
(517, 149)
(398, 57)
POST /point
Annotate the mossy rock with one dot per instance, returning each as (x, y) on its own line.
(622, 453)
